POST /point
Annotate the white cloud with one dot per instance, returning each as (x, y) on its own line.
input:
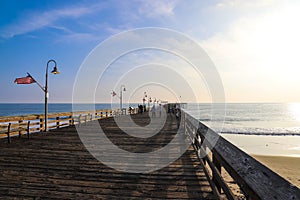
(43, 19)
(242, 4)
(117, 29)
(157, 8)
(86, 37)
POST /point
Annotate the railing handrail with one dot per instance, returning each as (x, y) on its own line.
(255, 180)
(26, 124)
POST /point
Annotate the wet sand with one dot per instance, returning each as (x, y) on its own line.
(287, 167)
(266, 144)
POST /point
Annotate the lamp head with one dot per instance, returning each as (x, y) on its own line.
(55, 71)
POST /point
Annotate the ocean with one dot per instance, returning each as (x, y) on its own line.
(271, 129)
(250, 118)
(239, 118)
(15, 109)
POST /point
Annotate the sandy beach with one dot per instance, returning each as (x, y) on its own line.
(279, 153)
(287, 167)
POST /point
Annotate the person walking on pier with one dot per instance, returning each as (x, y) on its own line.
(141, 108)
(159, 110)
(153, 111)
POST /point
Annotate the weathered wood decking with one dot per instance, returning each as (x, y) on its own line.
(56, 165)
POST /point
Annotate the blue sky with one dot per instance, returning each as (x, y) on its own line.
(254, 44)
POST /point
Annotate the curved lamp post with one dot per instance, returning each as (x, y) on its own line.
(144, 101)
(29, 79)
(122, 89)
(54, 71)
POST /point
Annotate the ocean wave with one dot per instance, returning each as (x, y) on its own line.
(227, 129)
(260, 133)
(227, 119)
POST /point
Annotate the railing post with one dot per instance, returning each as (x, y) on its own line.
(20, 128)
(85, 119)
(79, 120)
(218, 167)
(8, 133)
(28, 129)
(184, 122)
(57, 122)
(71, 120)
(203, 146)
(41, 124)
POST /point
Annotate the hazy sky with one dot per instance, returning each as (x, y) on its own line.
(254, 45)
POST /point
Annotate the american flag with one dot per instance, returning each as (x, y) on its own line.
(24, 80)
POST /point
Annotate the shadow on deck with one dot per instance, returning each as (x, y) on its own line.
(56, 165)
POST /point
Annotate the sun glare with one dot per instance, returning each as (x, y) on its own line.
(277, 38)
(294, 109)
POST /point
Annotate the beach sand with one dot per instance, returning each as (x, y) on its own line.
(279, 153)
(287, 167)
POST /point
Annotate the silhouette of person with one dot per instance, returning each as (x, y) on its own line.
(153, 111)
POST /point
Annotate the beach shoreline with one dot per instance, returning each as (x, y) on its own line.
(285, 166)
(281, 154)
(268, 145)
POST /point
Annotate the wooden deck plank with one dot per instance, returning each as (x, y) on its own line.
(56, 165)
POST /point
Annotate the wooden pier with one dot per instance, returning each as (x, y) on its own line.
(56, 164)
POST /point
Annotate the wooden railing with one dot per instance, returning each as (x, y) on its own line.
(227, 162)
(19, 125)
